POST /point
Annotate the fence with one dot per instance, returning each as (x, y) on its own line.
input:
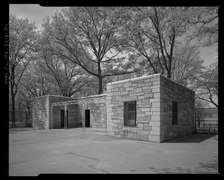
(23, 118)
(206, 119)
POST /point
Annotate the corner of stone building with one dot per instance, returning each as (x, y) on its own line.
(47, 123)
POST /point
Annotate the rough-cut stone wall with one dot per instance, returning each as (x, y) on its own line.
(171, 91)
(53, 99)
(146, 92)
(56, 119)
(41, 110)
(73, 120)
(153, 95)
(98, 110)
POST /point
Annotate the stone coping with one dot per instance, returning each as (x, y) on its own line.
(64, 103)
(133, 79)
(75, 101)
(54, 96)
(71, 98)
(94, 96)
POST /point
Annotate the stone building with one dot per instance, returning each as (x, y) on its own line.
(53, 112)
(151, 108)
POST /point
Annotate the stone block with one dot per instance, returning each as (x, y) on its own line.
(144, 137)
(154, 109)
(145, 109)
(156, 113)
(116, 93)
(129, 89)
(150, 95)
(140, 125)
(140, 97)
(155, 104)
(153, 138)
(138, 90)
(154, 123)
(127, 84)
(124, 92)
(155, 100)
(146, 88)
(157, 95)
(155, 118)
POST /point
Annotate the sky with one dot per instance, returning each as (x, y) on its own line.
(36, 13)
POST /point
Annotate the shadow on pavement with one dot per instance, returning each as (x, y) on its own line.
(194, 138)
(14, 130)
(210, 167)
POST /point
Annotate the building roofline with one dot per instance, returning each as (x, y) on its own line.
(146, 77)
(134, 79)
(93, 96)
(55, 96)
(75, 101)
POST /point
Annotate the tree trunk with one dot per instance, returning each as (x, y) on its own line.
(28, 116)
(19, 112)
(169, 74)
(26, 125)
(13, 110)
(100, 88)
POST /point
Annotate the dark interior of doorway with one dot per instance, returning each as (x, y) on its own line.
(87, 118)
(63, 118)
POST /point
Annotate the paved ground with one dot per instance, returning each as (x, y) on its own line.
(32, 152)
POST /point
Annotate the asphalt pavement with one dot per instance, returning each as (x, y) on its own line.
(74, 151)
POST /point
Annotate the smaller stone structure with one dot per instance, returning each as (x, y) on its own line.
(48, 111)
(41, 110)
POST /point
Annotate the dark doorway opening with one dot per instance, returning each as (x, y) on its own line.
(62, 117)
(87, 118)
(67, 118)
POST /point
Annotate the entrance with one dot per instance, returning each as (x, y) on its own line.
(87, 118)
(62, 118)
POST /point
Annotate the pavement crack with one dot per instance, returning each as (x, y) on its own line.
(19, 162)
(83, 156)
(90, 165)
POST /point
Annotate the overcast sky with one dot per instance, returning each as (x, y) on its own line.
(36, 13)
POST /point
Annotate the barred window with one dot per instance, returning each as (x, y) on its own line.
(174, 113)
(130, 113)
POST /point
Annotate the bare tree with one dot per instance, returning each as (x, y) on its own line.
(207, 85)
(22, 40)
(88, 37)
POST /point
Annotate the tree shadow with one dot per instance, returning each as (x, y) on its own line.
(210, 167)
(193, 138)
(15, 130)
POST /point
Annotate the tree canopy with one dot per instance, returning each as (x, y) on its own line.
(80, 49)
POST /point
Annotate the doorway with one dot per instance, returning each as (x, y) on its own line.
(87, 118)
(62, 118)
(64, 122)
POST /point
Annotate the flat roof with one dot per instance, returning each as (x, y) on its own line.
(146, 77)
